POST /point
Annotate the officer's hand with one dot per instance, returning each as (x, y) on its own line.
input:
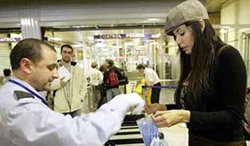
(132, 100)
(139, 104)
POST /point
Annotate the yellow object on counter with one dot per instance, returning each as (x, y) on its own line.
(147, 92)
(148, 97)
(139, 85)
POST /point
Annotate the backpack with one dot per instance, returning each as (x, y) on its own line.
(112, 80)
(123, 79)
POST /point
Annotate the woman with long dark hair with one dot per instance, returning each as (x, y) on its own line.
(211, 90)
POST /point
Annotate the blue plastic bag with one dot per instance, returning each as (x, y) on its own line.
(148, 130)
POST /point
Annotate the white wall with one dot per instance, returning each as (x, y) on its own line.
(236, 14)
(244, 12)
(229, 16)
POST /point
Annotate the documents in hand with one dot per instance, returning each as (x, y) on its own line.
(148, 130)
(64, 74)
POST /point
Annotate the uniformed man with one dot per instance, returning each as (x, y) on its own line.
(153, 80)
(27, 121)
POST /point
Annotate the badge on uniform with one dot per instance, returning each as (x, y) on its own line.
(22, 94)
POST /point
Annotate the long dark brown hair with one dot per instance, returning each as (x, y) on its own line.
(198, 67)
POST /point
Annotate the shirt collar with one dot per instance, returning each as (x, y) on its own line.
(25, 84)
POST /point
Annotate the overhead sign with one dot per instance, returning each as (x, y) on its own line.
(15, 39)
(119, 36)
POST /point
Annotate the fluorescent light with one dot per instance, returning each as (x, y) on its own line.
(90, 38)
(153, 19)
(100, 45)
(55, 39)
(77, 46)
(223, 30)
(156, 35)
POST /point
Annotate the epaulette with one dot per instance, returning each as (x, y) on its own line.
(22, 94)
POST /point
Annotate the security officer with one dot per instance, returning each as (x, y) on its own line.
(27, 121)
(152, 79)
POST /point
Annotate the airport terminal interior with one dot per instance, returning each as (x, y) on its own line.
(129, 32)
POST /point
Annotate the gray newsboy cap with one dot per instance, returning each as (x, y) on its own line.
(190, 10)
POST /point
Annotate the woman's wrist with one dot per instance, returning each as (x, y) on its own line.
(163, 107)
(185, 116)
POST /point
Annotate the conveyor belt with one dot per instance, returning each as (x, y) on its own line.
(129, 134)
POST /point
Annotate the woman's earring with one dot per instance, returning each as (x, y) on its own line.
(202, 24)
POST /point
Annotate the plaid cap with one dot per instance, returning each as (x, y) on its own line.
(190, 10)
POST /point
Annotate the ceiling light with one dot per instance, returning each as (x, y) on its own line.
(100, 45)
(54, 39)
(153, 19)
(156, 35)
(90, 37)
(76, 26)
(223, 30)
(77, 46)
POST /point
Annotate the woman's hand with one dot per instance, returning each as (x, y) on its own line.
(155, 107)
(171, 117)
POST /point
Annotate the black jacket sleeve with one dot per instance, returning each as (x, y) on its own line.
(171, 106)
(232, 87)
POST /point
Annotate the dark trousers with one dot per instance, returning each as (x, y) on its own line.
(103, 98)
(155, 96)
(102, 101)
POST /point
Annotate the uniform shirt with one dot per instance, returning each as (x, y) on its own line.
(29, 122)
(95, 76)
(151, 76)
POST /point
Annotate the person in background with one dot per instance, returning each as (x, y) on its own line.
(96, 78)
(111, 80)
(102, 87)
(7, 75)
(152, 79)
(26, 120)
(69, 94)
(212, 86)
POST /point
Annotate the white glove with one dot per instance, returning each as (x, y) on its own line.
(131, 99)
(109, 117)
(140, 103)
